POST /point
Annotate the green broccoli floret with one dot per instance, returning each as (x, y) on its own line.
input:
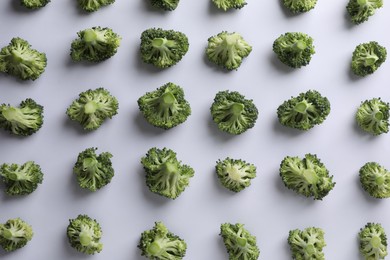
(373, 116)
(235, 175)
(227, 50)
(375, 180)
(233, 113)
(367, 58)
(307, 176)
(294, 49)
(299, 6)
(373, 242)
(93, 5)
(23, 120)
(20, 60)
(15, 234)
(165, 107)
(84, 234)
(95, 44)
(307, 244)
(304, 111)
(165, 174)
(34, 4)
(240, 244)
(92, 108)
(161, 244)
(166, 5)
(361, 10)
(229, 4)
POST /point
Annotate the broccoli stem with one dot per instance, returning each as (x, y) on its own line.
(169, 168)
(241, 241)
(11, 114)
(90, 107)
(299, 46)
(362, 2)
(90, 36)
(16, 57)
(85, 239)
(378, 115)
(379, 180)
(237, 108)
(310, 250)
(167, 99)
(301, 107)
(310, 176)
(375, 242)
(370, 60)
(7, 234)
(154, 248)
(159, 43)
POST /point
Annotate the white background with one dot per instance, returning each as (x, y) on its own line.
(126, 207)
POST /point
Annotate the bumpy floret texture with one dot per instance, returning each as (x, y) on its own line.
(34, 4)
(229, 4)
(235, 175)
(361, 10)
(373, 116)
(299, 6)
(307, 244)
(93, 5)
(367, 58)
(165, 174)
(166, 5)
(15, 234)
(161, 244)
(165, 107)
(375, 180)
(373, 242)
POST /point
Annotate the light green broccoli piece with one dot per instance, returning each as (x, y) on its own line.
(15, 234)
(373, 242)
(299, 6)
(361, 10)
(375, 180)
(235, 175)
(373, 116)
(367, 58)
(93, 5)
(307, 244)
(229, 4)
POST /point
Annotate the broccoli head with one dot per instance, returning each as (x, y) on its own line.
(93, 5)
(166, 5)
(235, 175)
(373, 242)
(307, 176)
(304, 111)
(229, 4)
(373, 116)
(163, 48)
(23, 120)
(294, 49)
(375, 180)
(15, 234)
(233, 113)
(92, 108)
(20, 60)
(361, 10)
(367, 58)
(299, 6)
(84, 234)
(240, 244)
(227, 50)
(34, 4)
(95, 44)
(165, 174)
(161, 244)
(307, 244)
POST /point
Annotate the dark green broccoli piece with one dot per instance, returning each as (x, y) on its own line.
(95, 44)
(304, 111)
(227, 50)
(34, 4)
(165, 174)
(373, 116)
(233, 113)
(163, 48)
(23, 120)
(240, 244)
(307, 176)
(84, 234)
(373, 242)
(15, 234)
(92, 108)
(20, 60)
(307, 244)
(235, 175)
(361, 10)
(166, 5)
(229, 4)
(299, 6)
(367, 58)
(93, 5)
(294, 49)
(375, 180)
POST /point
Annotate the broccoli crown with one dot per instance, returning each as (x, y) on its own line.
(165, 174)
(304, 111)
(165, 107)
(95, 44)
(373, 116)
(299, 6)
(361, 10)
(227, 50)
(163, 48)
(93, 171)
(23, 120)
(92, 108)
(240, 244)
(235, 175)
(20, 60)
(166, 5)
(15, 234)
(160, 244)
(373, 242)
(375, 180)
(367, 58)
(307, 176)
(229, 4)
(307, 244)
(34, 4)
(294, 49)
(84, 234)
(93, 5)
(233, 113)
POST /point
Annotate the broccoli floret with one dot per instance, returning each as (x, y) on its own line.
(235, 175)
(375, 180)
(84, 234)
(240, 244)
(15, 234)
(307, 176)
(294, 49)
(367, 58)
(229, 4)
(166, 5)
(161, 244)
(165, 174)
(92, 108)
(299, 6)
(304, 111)
(165, 107)
(361, 10)
(373, 116)
(23, 120)
(373, 242)
(227, 50)
(163, 48)
(95, 44)
(233, 113)
(307, 244)
(93, 5)
(34, 4)
(20, 60)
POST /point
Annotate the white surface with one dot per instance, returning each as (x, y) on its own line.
(126, 207)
